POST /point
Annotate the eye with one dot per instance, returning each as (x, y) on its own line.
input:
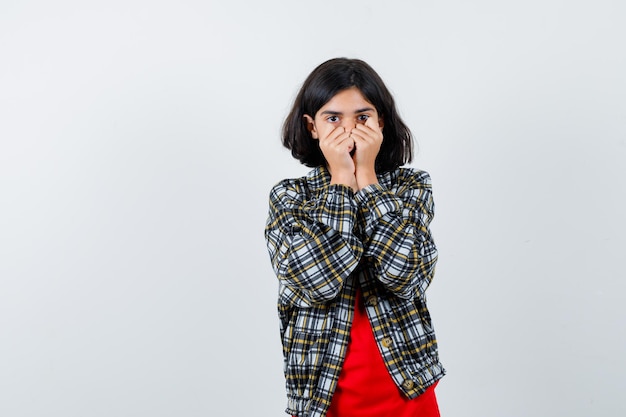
(362, 118)
(332, 119)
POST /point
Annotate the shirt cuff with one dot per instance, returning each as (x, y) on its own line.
(375, 201)
(335, 207)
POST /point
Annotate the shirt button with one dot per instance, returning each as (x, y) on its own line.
(372, 300)
(387, 342)
(408, 384)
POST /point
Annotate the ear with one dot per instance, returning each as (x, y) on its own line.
(381, 122)
(310, 125)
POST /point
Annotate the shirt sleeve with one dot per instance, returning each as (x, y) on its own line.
(311, 240)
(397, 242)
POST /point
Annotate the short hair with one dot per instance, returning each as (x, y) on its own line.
(328, 79)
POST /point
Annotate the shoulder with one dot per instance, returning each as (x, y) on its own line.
(297, 188)
(417, 176)
(406, 177)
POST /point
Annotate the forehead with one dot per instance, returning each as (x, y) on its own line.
(350, 100)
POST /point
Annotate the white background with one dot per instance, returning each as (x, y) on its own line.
(138, 144)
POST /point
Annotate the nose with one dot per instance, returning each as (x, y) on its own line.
(348, 124)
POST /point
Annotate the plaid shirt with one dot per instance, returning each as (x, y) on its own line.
(325, 241)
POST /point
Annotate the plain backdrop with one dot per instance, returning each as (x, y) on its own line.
(138, 144)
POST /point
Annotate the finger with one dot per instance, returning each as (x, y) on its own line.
(347, 141)
(334, 134)
(369, 126)
(364, 134)
(360, 136)
(369, 134)
(341, 142)
(373, 123)
(337, 130)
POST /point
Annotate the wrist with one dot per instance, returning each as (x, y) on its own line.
(343, 178)
(365, 178)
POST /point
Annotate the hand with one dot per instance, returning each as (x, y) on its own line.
(368, 138)
(336, 148)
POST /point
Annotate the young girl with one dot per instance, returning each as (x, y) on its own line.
(353, 253)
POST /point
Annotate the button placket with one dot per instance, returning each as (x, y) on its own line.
(387, 342)
(372, 301)
(408, 384)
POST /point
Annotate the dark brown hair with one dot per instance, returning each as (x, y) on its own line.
(324, 83)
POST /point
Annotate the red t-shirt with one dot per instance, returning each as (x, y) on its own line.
(365, 388)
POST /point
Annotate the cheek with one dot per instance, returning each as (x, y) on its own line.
(324, 129)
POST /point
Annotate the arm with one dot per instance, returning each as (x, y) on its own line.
(311, 242)
(398, 243)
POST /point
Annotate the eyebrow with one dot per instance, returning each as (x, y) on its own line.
(337, 113)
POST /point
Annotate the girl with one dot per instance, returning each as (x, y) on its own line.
(353, 254)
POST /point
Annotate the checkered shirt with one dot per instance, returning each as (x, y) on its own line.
(325, 241)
